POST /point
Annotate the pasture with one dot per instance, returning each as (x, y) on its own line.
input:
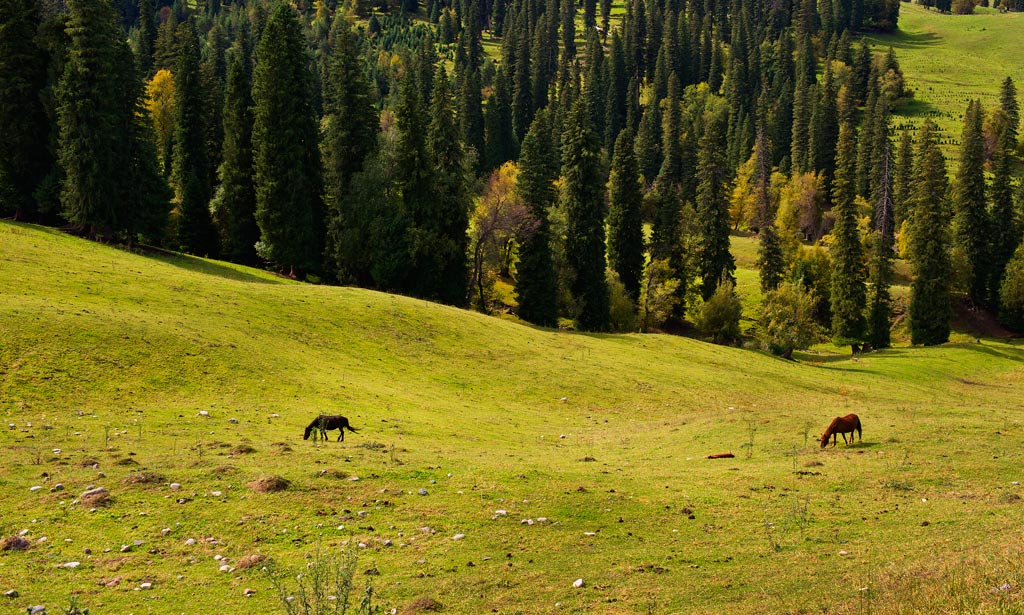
(495, 463)
(950, 59)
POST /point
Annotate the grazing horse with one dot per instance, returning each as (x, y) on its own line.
(842, 425)
(327, 422)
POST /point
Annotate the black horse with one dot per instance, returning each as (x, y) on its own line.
(327, 422)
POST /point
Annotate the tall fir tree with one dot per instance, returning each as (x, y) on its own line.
(147, 36)
(235, 212)
(929, 215)
(1008, 103)
(286, 160)
(585, 230)
(349, 138)
(647, 145)
(849, 292)
(716, 261)
(771, 262)
(24, 157)
(625, 220)
(903, 176)
(971, 227)
(1004, 224)
(189, 173)
(499, 136)
(536, 283)
(448, 217)
(88, 117)
(880, 307)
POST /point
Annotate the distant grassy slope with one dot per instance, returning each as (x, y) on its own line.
(950, 59)
(107, 358)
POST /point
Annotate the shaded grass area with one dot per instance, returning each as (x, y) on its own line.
(116, 363)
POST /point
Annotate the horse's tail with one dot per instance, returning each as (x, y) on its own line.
(351, 428)
(860, 432)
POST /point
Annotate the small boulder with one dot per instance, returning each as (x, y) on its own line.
(577, 583)
(11, 594)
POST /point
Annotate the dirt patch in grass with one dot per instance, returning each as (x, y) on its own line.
(127, 461)
(222, 470)
(96, 498)
(331, 474)
(242, 449)
(144, 478)
(269, 484)
(250, 560)
(282, 447)
(14, 543)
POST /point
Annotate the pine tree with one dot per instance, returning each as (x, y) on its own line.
(88, 117)
(929, 216)
(190, 162)
(499, 136)
(849, 292)
(970, 218)
(584, 206)
(470, 102)
(235, 212)
(414, 179)
(286, 161)
(1008, 103)
(1005, 231)
(716, 261)
(902, 177)
(449, 214)
(349, 138)
(522, 89)
(802, 109)
(24, 157)
(647, 146)
(147, 36)
(880, 308)
(617, 90)
(625, 223)
(771, 263)
(536, 284)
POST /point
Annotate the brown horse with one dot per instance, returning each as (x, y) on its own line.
(842, 425)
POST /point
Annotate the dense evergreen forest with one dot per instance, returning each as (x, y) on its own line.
(594, 163)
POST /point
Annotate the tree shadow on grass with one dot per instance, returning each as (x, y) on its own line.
(902, 39)
(207, 267)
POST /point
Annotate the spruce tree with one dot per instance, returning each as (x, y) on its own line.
(903, 176)
(970, 217)
(929, 216)
(880, 307)
(349, 138)
(235, 212)
(647, 146)
(88, 116)
(147, 36)
(536, 283)
(584, 207)
(286, 160)
(771, 263)
(1008, 103)
(849, 292)
(448, 217)
(499, 136)
(1005, 229)
(24, 158)
(625, 223)
(190, 155)
(716, 261)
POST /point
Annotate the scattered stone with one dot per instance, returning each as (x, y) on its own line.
(145, 586)
(225, 568)
(14, 543)
(458, 537)
(42, 540)
(11, 426)
(204, 413)
(175, 486)
(422, 491)
(501, 513)
(57, 487)
(37, 610)
(57, 451)
(925, 524)
(87, 551)
(11, 594)
(190, 542)
(844, 553)
(126, 548)
(112, 582)
(542, 519)
(577, 583)
(387, 542)
(526, 522)
(235, 422)
(34, 488)
(165, 531)
(71, 565)
(249, 591)
(590, 533)
(275, 415)
(216, 494)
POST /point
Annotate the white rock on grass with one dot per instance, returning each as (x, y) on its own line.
(35, 488)
(72, 565)
(145, 586)
(190, 542)
(458, 537)
(577, 583)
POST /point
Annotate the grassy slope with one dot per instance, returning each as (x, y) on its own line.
(950, 59)
(110, 356)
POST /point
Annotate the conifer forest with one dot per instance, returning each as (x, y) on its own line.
(579, 164)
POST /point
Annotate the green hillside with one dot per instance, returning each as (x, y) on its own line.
(950, 59)
(107, 359)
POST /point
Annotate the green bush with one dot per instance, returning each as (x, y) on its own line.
(719, 316)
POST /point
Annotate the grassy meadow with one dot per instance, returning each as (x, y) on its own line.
(950, 59)
(594, 446)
